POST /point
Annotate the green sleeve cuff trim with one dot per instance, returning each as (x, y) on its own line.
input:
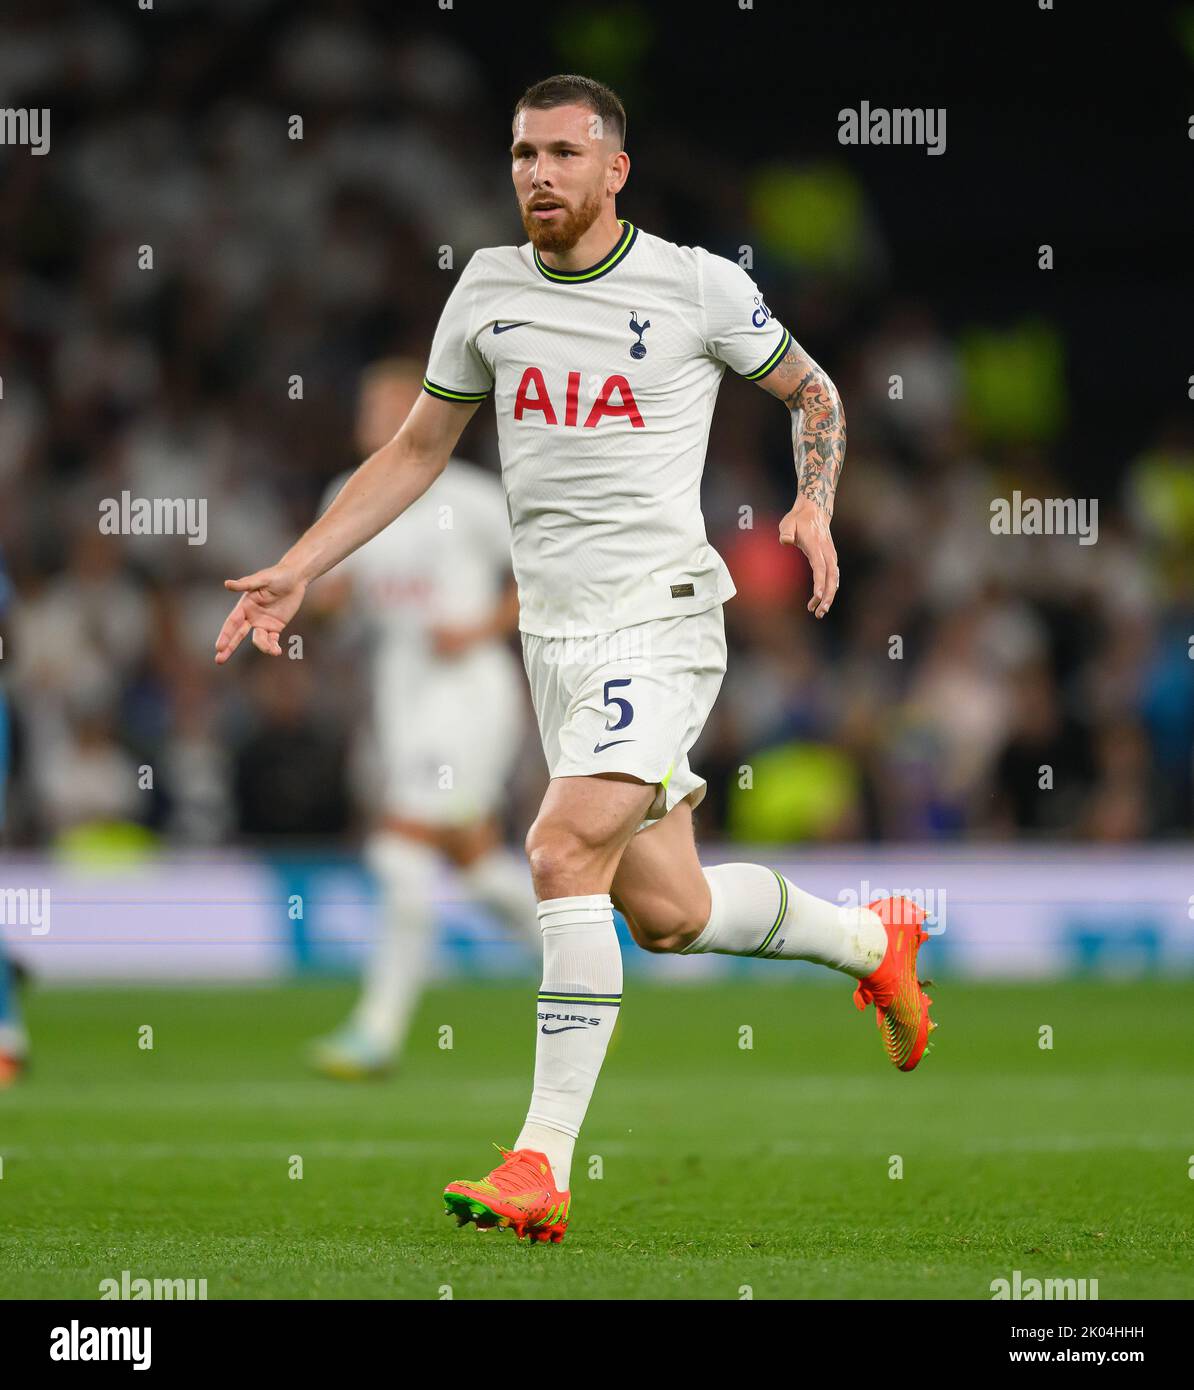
(772, 362)
(447, 394)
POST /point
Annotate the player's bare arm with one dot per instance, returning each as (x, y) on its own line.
(819, 446)
(380, 490)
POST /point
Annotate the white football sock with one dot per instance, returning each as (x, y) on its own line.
(13, 1039)
(501, 881)
(398, 962)
(758, 912)
(554, 1145)
(578, 1007)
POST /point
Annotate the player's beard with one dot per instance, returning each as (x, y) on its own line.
(561, 233)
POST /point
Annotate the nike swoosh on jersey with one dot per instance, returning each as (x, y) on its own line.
(571, 1028)
(506, 327)
(601, 747)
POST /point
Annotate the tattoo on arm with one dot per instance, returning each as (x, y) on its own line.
(818, 424)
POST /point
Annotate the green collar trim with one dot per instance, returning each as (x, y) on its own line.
(594, 272)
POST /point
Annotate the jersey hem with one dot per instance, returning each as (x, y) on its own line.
(582, 632)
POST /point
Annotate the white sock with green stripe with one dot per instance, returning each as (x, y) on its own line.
(758, 912)
(577, 1010)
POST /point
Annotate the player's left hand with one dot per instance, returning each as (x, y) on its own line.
(807, 526)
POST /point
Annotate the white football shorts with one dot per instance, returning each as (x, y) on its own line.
(632, 701)
(448, 742)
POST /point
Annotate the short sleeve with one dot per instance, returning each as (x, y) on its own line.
(456, 371)
(740, 330)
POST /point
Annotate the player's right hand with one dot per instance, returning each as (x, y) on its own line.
(269, 599)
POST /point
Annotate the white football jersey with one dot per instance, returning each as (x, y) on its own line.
(444, 561)
(604, 383)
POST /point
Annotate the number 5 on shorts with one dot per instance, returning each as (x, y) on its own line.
(626, 707)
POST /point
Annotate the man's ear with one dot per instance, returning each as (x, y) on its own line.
(620, 172)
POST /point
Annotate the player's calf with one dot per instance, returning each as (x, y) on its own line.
(664, 928)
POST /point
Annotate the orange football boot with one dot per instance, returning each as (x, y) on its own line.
(901, 1006)
(520, 1193)
(11, 1067)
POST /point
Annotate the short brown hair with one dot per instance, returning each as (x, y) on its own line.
(569, 89)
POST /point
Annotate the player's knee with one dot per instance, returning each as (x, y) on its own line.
(559, 858)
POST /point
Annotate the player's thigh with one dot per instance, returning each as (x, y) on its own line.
(659, 886)
(587, 821)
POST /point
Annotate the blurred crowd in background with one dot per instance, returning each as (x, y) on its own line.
(967, 685)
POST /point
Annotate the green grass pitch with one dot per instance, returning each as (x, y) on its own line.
(722, 1169)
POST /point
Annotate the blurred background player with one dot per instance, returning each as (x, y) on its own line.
(436, 592)
(14, 1042)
